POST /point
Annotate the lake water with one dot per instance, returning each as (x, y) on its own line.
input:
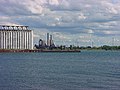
(88, 70)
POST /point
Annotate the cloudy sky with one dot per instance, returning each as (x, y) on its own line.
(76, 22)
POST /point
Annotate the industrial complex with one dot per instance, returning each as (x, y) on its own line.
(20, 39)
(16, 37)
(49, 44)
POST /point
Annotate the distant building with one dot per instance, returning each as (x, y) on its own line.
(42, 43)
(16, 37)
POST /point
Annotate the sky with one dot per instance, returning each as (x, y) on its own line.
(71, 22)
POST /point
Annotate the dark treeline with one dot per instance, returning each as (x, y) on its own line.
(104, 47)
(72, 47)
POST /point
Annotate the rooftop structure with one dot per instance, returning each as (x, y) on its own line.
(6, 27)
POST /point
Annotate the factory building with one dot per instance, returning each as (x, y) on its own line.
(16, 37)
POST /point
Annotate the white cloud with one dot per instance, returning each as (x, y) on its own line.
(53, 2)
(82, 16)
(90, 31)
(96, 17)
(111, 32)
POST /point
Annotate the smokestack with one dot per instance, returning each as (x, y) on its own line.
(50, 37)
(48, 41)
(51, 41)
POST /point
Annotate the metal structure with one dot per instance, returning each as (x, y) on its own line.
(16, 37)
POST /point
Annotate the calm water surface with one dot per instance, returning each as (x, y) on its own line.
(88, 70)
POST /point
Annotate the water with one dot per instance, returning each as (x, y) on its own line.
(88, 70)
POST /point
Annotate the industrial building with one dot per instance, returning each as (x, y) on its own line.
(49, 40)
(16, 37)
(49, 44)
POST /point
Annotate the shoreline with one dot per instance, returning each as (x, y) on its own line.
(36, 50)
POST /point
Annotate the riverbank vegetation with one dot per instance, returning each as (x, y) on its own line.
(104, 47)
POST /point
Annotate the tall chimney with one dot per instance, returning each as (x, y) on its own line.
(48, 41)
